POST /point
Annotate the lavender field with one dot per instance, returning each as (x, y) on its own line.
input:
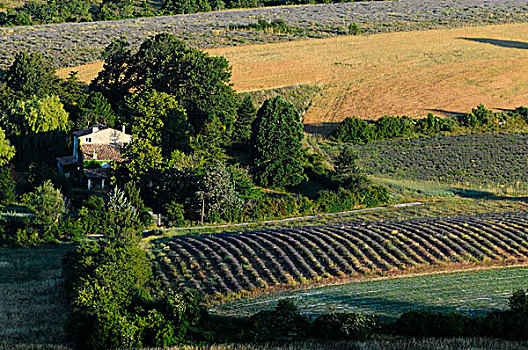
(77, 43)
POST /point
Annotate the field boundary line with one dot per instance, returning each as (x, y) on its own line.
(297, 218)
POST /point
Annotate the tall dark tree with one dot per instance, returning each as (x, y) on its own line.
(200, 83)
(31, 74)
(276, 146)
(246, 113)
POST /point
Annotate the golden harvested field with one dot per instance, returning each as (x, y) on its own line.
(443, 71)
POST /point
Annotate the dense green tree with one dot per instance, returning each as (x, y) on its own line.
(47, 203)
(38, 115)
(345, 163)
(158, 118)
(276, 146)
(140, 161)
(94, 109)
(200, 83)
(353, 130)
(246, 113)
(7, 186)
(220, 199)
(31, 75)
(7, 151)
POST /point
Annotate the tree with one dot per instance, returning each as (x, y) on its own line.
(7, 152)
(38, 115)
(140, 159)
(47, 203)
(276, 146)
(158, 118)
(353, 130)
(94, 109)
(7, 186)
(246, 113)
(346, 163)
(200, 83)
(31, 75)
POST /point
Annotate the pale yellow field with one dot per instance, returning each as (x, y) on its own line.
(411, 73)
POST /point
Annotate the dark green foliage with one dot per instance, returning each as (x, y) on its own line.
(7, 186)
(431, 125)
(158, 118)
(422, 323)
(246, 113)
(175, 214)
(47, 204)
(276, 147)
(354, 130)
(31, 74)
(282, 324)
(479, 116)
(276, 26)
(345, 163)
(522, 111)
(51, 11)
(187, 6)
(391, 127)
(345, 326)
(94, 109)
(200, 83)
(354, 29)
(352, 196)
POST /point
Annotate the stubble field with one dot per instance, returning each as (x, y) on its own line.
(445, 72)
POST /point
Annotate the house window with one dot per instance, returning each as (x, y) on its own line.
(88, 140)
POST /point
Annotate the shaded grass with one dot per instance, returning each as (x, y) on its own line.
(388, 344)
(474, 292)
(33, 307)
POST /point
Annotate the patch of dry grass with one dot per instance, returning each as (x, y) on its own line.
(403, 73)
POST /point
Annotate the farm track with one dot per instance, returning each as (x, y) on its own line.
(73, 44)
(230, 264)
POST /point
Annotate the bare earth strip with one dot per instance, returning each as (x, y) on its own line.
(446, 71)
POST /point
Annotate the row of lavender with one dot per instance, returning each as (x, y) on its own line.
(227, 263)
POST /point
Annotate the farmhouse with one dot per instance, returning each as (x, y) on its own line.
(94, 150)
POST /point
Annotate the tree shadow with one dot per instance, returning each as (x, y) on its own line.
(325, 128)
(445, 112)
(477, 194)
(497, 42)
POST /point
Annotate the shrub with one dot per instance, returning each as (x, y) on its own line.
(175, 214)
(345, 326)
(355, 130)
(354, 29)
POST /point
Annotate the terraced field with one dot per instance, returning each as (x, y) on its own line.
(73, 44)
(225, 264)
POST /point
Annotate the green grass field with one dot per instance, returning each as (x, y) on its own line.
(33, 307)
(473, 292)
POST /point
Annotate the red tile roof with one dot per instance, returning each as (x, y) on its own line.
(103, 152)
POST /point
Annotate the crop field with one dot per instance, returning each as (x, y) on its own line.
(33, 307)
(477, 158)
(73, 44)
(228, 264)
(471, 292)
(445, 72)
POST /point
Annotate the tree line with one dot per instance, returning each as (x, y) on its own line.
(62, 11)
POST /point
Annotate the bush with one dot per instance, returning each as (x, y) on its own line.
(345, 326)
(432, 125)
(391, 127)
(175, 214)
(423, 323)
(354, 29)
(355, 130)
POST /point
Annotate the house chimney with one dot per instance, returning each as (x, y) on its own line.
(95, 129)
(123, 129)
(94, 154)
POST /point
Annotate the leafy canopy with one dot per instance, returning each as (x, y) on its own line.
(200, 83)
(276, 146)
